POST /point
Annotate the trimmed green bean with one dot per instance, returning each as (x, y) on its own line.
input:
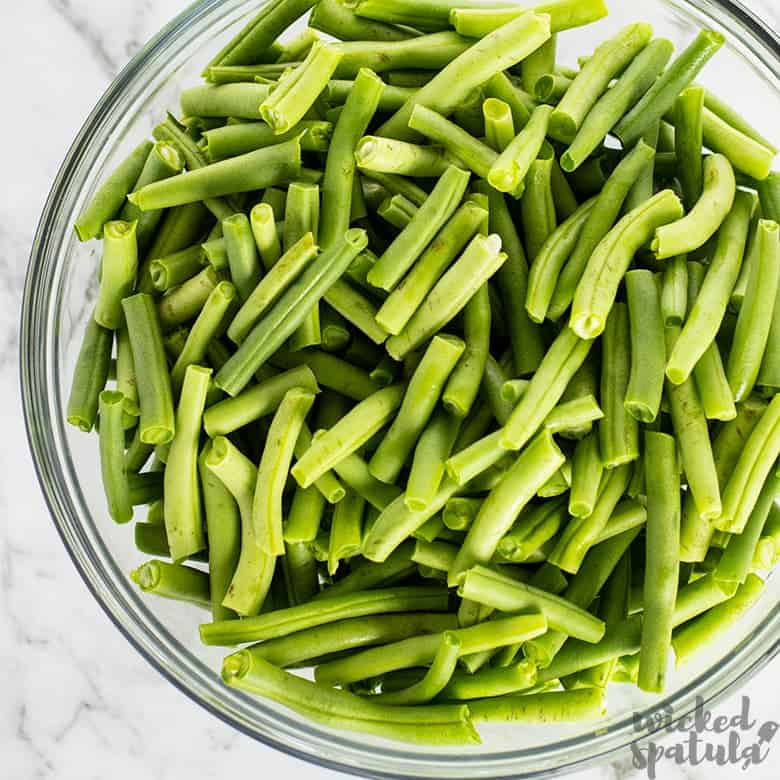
(346, 530)
(745, 154)
(338, 18)
(600, 221)
(688, 143)
(662, 94)
(331, 372)
(479, 261)
(596, 291)
(674, 291)
(587, 469)
(173, 581)
(422, 394)
(89, 375)
(756, 313)
(109, 197)
(706, 314)
(112, 457)
(637, 78)
(535, 526)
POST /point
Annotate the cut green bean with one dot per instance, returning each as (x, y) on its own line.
(109, 197)
(112, 457)
(756, 313)
(89, 375)
(662, 94)
(706, 314)
(601, 219)
(535, 526)
(637, 78)
(173, 581)
(117, 272)
(479, 261)
(587, 469)
(596, 291)
(183, 511)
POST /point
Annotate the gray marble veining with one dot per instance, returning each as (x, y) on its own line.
(76, 700)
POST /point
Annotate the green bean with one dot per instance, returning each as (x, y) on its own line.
(223, 527)
(626, 515)
(475, 22)
(240, 100)
(352, 431)
(395, 569)
(580, 534)
(662, 477)
(331, 372)
(547, 707)
(439, 206)
(179, 228)
(232, 140)
(145, 488)
(257, 39)
(183, 511)
(137, 453)
(288, 312)
(254, 571)
(608, 60)
(637, 78)
(461, 145)
(354, 472)
(112, 457)
(479, 261)
(535, 526)
(600, 221)
(596, 291)
(696, 532)
(662, 94)
(459, 513)
(509, 169)
(674, 291)
(274, 469)
(537, 64)
(346, 530)
(500, 87)
(268, 290)
(89, 375)
(361, 104)
(499, 123)
(117, 272)
(173, 581)
(644, 187)
(476, 65)
(182, 304)
(756, 313)
(648, 348)
(357, 309)
(401, 304)
(535, 465)
(422, 394)
(587, 469)
(750, 472)
(350, 634)
(261, 219)
(337, 18)
(503, 593)
(690, 426)
(297, 89)
(174, 269)
(463, 385)
(421, 650)
(581, 591)
(705, 217)
(548, 262)
(427, 469)
(242, 254)
(738, 557)
(551, 87)
(391, 98)
(397, 210)
(707, 312)
(769, 195)
(745, 154)
(204, 330)
(435, 555)
(433, 724)
(299, 568)
(154, 385)
(334, 330)
(305, 515)
(256, 402)
(323, 611)
(688, 143)
(386, 155)
(244, 173)
(565, 356)
(512, 278)
(109, 197)
(691, 637)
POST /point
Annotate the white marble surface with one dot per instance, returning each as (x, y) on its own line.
(76, 701)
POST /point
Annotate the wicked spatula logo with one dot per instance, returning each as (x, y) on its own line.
(737, 740)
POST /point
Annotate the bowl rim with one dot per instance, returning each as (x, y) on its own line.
(33, 335)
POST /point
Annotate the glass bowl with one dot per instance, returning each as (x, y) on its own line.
(59, 291)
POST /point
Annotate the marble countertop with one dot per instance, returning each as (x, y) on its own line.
(76, 700)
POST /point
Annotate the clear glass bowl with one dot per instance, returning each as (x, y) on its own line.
(60, 289)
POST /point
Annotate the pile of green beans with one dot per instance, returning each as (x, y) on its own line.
(426, 350)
